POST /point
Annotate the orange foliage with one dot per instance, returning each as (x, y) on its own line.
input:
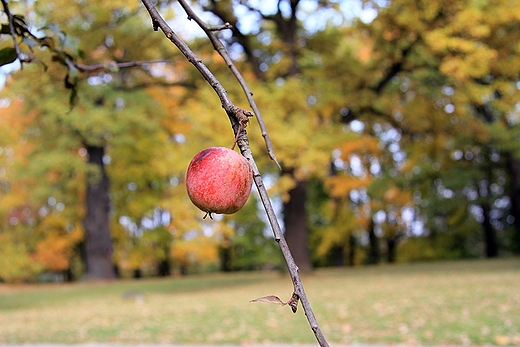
(55, 250)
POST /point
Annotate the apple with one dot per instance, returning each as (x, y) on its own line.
(219, 180)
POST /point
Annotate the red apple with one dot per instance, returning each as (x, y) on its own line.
(219, 180)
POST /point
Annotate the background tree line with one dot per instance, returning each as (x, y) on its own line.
(397, 135)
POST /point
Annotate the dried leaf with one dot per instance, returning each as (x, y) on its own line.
(271, 299)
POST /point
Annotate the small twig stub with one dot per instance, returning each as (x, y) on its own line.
(242, 115)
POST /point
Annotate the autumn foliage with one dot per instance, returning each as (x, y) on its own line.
(397, 132)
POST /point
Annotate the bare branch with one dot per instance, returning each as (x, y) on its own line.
(220, 27)
(219, 47)
(114, 65)
(235, 114)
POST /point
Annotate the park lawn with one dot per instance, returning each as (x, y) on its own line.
(445, 303)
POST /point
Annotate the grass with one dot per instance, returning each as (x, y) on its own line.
(452, 303)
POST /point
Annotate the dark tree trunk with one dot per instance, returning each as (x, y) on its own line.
(295, 215)
(490, 236)
(137, 274)
(295, 221)
(98, 243)
(374, 252)
(352, 244)
(163, 268)
(183, 269)
(225, 259)
(391, 245)
(68, 276)
(514, 172)
(338, 256)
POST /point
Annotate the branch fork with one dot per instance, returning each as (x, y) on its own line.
(242, 117)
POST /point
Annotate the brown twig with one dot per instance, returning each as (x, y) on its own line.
(114, 65)
(219, 47)
(10, 19)
(233, 113)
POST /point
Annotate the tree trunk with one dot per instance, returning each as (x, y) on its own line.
(514, 172)
(391, 244)
(338, 255)
(374, 253)
(98, 243)
(137, 274)
(295, 221)
(163, 268)
(352, 244)
(225, 259)
(490, 237)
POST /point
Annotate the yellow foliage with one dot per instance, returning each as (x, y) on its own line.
(394, 196)
(201, 250)
(342, 185)
(16, 264)
(284, 184)
(361, 146)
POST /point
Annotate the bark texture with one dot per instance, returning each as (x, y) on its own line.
(514, 171)
(296, 231)
(98, 242)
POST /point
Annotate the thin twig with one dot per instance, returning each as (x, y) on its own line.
(234, 113)
(219, 27)
(219, 47)
(112, 65)
(10, 19)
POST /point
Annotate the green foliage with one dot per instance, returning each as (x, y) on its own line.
(414, 113)
(250, 247)
(441, 247)
(16, 264)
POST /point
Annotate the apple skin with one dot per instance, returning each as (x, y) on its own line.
(219, 180)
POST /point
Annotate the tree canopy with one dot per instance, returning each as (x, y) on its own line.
(397, 136)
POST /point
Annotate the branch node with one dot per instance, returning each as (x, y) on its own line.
(242, 115)
(293, 302)
(224, 26)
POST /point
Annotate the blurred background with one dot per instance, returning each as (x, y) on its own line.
(396, 124)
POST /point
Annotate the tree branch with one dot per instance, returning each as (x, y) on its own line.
(10, 19)
(234, 113)
(219, 47)
(394, 69)
(243, 39)
(114, 65)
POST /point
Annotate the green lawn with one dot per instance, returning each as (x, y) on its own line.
(455, 303)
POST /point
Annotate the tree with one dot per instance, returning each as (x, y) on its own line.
(279, 57)
(436, 63)
(248, 248)
(79, 148)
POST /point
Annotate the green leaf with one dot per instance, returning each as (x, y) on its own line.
(4, 29)
(7, 55)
